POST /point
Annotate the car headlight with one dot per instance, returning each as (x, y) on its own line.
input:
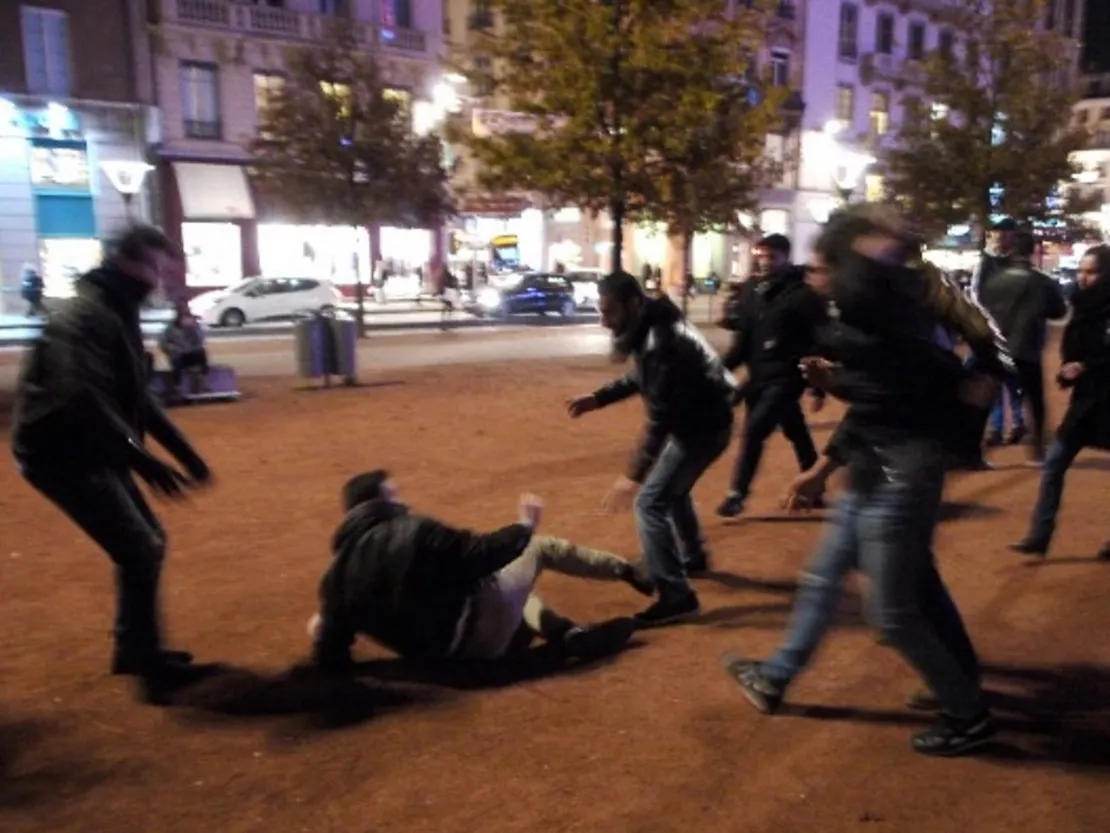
(489, 298)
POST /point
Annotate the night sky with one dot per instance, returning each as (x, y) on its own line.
(1096, 48)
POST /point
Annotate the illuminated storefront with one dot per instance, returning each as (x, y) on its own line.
(334, 253)
(213, 254)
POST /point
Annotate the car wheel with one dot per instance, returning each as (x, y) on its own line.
(568, 309)
(233, 318)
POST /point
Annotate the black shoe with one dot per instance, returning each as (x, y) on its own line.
(669, 611)
(766, 695)
(601, 640)
(697, 563)
(1104, 553)
(159, 683)
(127, 665)
(1031, 546)
(951, 736)
(730, 507)
(923, 701)
(639, 577)
(332, 660)
(1017, 434)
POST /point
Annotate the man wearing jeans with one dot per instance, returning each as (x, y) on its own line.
(432, 592)
(688, 394)
(903, 386)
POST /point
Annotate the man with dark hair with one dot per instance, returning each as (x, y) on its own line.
(688, 394)
(1022, 300)
(81, 413)
(885, 357)
(774, 321)
(432, 592)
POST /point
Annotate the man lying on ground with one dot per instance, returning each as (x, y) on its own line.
(429, 591)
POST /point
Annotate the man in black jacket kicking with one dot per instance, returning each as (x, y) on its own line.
(774, 322)
(81, 413)
(432, 592)
(688, 394)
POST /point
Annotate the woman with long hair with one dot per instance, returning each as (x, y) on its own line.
(1085, 352)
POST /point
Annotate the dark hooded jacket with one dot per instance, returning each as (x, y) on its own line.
(1022, 300)
(81, 399)
(774, 320)
(687, 391)
(406, 580)
(1087, 340)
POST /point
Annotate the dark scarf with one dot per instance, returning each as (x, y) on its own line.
(120, 289)
(1093, 302)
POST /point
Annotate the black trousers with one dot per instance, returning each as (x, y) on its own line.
(194, 358)
(1031, 381)
(771, 407)
(110, 509)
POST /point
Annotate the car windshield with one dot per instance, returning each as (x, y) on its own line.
(242, 285)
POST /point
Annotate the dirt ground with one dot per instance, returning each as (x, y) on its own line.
(656, 740)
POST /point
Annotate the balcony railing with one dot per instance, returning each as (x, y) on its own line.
(207, 129)
(900, 70)
(267, 22)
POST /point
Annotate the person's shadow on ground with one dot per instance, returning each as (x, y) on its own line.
(320, 700)
(1046, 715)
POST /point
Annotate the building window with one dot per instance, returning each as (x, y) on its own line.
(845, 103)
(780, 68)
(848, 38)
(915, 47)
(483, 76)
(46, 51)
(340, 95)
(200, 100)
(946, 44)
(880, 113)
(267, 86)
(328, 7)
(884, 34)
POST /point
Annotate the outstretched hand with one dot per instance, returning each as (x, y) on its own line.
(620, 495)
(580, 405)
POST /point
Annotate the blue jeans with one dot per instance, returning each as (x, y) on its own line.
(1056, 464)
(665, 516)
(1011, 389)
(886, 530)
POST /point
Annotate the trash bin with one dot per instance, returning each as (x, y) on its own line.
(325, 345)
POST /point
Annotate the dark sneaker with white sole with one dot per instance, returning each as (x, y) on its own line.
(1031, 546)
(951, 736)
(160, 683)
(600, 640)
(765, 694)
(669, 611)
(730, 507)
(125, 664)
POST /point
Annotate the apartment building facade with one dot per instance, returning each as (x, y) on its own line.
(1092, 112)
(74, 119)
(213, 64)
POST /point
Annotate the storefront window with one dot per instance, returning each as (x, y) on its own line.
(63, 261)
(213, 254)
(333, 253)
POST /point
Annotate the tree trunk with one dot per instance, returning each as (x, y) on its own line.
(616, 213)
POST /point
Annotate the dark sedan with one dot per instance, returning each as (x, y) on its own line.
(534, 294)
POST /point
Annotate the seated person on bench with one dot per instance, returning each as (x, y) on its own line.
(183, 344)
(431, 592)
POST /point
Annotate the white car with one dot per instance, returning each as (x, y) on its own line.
(585, 282)
(264, 299)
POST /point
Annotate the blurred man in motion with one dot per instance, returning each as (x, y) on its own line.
(432, 592)
(81, 415)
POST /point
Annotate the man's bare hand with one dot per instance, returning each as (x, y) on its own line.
(531, 510)
(979, 391)
(620, 495)
(1072, 371)
(580, 405)
(817, 371)
(804, 492)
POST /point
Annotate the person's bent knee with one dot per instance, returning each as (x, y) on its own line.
(651, 503)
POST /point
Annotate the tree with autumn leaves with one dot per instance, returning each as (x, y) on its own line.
(650, 110)
(336, 146)
(989, 129)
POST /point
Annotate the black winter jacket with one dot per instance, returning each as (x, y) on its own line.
(1022, 301)
(774, 320)
(406, 580)
(81, 399)
(1087, 340)
(685, 386)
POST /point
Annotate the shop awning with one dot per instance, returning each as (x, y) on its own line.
(213, 192)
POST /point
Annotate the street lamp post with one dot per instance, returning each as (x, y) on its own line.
(127, 178)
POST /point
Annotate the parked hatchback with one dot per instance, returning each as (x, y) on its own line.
(533, 293)
(264, 299)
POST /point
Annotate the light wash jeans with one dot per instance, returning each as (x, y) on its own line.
(668, 523)
(886, 530)
(1056, 464)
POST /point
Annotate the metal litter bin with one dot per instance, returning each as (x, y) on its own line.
(326, 345)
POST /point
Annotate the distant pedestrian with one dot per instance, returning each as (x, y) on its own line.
(449, 295)
(32, 289)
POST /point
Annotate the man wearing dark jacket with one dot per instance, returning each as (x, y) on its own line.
(1022, 300)
(688, 394)
(885, 357)
(81, 413)
(432, 592)
(774, 322)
